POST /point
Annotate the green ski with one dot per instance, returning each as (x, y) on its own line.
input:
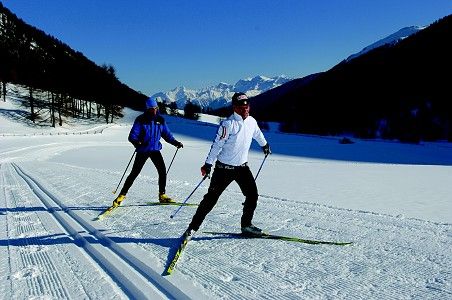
(278, 237)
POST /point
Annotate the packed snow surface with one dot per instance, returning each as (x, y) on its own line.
(392, 200)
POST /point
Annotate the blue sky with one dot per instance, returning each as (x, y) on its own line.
(159, 45)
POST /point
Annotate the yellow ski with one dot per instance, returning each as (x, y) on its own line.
(184, 240)
(105, 213)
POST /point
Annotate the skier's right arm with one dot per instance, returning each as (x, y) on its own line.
(221, 137)
(134, 135)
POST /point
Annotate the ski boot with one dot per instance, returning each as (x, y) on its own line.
(163, 198)
(188, 234)
(118, 200)
(251, 231)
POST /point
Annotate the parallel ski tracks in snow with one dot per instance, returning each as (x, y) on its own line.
(393, 257)
(136, 279)
(33, 259)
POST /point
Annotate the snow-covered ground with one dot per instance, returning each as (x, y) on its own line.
(393, 201)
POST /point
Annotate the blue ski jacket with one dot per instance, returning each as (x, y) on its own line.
(146, 133)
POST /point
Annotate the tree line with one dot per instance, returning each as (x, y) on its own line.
(59, 80)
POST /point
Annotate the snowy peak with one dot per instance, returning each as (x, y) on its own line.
(389, 40)
(220, 95)
(259, 83)
(222, 85)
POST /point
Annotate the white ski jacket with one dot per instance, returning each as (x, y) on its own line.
(233, 140)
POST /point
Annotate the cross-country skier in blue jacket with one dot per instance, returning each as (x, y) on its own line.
(145, 135)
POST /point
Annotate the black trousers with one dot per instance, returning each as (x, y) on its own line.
(140, 160)
(221, 178)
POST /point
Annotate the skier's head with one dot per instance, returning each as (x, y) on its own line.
(151, 103)
(240, 99)
(151, 106)
(241, 105)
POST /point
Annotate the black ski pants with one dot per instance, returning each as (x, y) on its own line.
(222, 176)
(140, 160)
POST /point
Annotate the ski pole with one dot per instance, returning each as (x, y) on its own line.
(171, 161)
(261, 167)
(179, 208)
(114, 192)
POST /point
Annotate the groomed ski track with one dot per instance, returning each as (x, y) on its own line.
(134, 278)
(391, 258)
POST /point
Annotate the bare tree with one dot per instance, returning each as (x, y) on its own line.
(98, 110)
(52, 109)
(4, 90)
(31, 102)
(88, 109)
(60, 106)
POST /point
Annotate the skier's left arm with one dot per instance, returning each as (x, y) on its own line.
(169, 138)
(259, 137)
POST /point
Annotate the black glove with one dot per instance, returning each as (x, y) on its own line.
(266, 149)
(178, 144)
(205, 170)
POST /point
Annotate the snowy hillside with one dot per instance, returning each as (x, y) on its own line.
(391, 39)
(393, 201)
(220, 95)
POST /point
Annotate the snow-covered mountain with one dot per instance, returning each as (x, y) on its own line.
(220, 95)
(390, 39)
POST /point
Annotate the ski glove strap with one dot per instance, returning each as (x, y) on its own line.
(178, 144)
(266, 149)
(205, 170)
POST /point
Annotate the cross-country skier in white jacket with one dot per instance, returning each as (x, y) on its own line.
(230, 151)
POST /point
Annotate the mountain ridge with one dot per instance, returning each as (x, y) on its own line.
(396, 91)
(219, 95)
(391, 39)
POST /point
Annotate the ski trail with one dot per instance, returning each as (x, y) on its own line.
(138, 280)
(41, 151)
(5, 264)
(392, 257)
(31, 263)
(37, 266)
